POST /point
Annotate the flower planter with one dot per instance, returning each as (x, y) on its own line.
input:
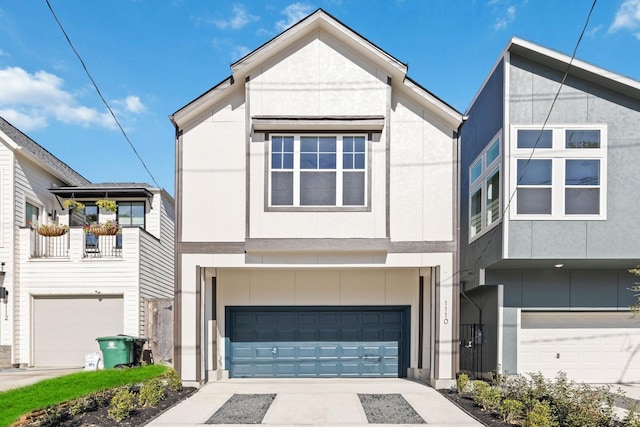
(51, 232)
(103, 231)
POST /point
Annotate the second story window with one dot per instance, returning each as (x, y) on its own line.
(318, 171)
(485, 208)
(131, 214)
(559, 173)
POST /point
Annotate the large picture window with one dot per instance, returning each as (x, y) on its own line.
(559, 172)
(484, 197)
(318, 170)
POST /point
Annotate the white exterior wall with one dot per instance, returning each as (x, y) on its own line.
(6, 240)
(422, 175)
(214, 158)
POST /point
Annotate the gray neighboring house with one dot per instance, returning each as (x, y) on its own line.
(549, 220)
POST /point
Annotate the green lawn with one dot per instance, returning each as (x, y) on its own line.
(20, 401)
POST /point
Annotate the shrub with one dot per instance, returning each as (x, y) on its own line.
(540, 416)
(462, 383)
(151, 392)
(174, 382)
(486, 396)
(511, 410)
(122, 403)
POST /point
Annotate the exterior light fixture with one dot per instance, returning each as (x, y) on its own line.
(559, 265)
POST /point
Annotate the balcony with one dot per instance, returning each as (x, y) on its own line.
(75, 244)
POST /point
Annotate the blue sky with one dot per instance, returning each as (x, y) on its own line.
(149, 58)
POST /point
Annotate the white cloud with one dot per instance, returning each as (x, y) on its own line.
(3, 53)
(239, 19)
(627, 17)
(30, 101)
(506, 19)
(294, 13)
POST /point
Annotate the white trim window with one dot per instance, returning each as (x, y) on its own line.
(318, 171)
(559, 172)
(485, 207)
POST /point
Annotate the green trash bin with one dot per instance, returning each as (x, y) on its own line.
(117, 350)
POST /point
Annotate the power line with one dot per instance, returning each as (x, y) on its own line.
(100, 94)
(544, 124)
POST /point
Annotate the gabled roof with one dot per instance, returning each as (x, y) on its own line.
(20, 142)
(318, 20)
(559, 61)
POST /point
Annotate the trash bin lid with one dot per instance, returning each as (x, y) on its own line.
(115, 338)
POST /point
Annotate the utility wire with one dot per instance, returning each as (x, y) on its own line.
(555, 98)
(100, 94)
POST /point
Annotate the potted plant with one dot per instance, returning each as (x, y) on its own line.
(108, 228)
(73, 205)
(50, 230)
(107, 205)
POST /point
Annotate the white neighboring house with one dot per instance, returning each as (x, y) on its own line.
(66, 291)
(317, 228)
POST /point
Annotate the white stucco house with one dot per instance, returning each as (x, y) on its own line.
(65, 291)
(316, 222)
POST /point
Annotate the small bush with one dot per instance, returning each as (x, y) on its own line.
(462, 383)
(122, 403)
(539, 416)
(486, 396)
(511, 410)
(151, 392)
(174, 382)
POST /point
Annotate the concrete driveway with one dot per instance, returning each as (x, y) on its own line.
(20, 377)
(317, 402)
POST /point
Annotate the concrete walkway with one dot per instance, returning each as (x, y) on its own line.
(20, 377)
(317, 402)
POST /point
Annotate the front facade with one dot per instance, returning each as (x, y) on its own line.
(549, 220)
(316, 229)
(65, 291)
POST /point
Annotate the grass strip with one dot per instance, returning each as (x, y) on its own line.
(53, 391)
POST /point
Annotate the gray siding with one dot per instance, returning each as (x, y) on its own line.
(484, 122)
(532, 88)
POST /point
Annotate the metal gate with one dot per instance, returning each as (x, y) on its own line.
(471, 349)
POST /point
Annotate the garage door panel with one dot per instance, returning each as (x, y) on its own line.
(65, 327)
(329, 342)
(590, 347)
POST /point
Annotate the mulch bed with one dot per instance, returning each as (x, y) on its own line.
(99, 417)
(467, 404)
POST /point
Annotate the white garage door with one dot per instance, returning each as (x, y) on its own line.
(65, 328)
(589, 347)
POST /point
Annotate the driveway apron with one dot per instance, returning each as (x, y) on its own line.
(315, 402)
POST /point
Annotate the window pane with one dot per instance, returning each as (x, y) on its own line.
(282, 188)
(318, 189)
(582, 201)
(534, 172)
(308, 161)
(137, 213)
(359, 143)
(288, 144)
(282, 152)
(493, 198)
(309, 144)
(534, 201)
(582, 138)
(90, 214)
(287, 161)
(582, 172)
(527, 138)
(328, 144)
(476, 171)
(347, 161)
(476, 213)
(493, 152)
(353, 189)
(353, 148)
(32, 214)
(276, 161)
(328, 161)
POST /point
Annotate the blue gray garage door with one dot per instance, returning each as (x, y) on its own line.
(317, 341)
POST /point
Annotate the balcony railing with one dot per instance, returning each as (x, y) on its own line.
(49, 247)
(92, 246)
